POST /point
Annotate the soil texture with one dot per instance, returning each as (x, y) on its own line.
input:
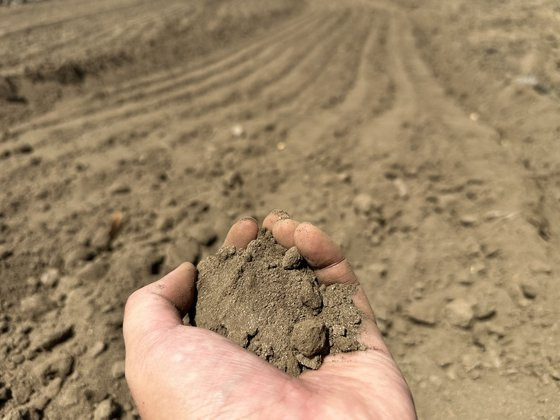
(424, 135)
(266, 299)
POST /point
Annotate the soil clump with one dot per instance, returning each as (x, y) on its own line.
(268, 300)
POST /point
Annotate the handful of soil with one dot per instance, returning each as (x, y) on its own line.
(266, 299)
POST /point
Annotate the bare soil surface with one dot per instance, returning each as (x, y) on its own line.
(424, 135)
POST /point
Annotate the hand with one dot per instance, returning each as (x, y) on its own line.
(183, 372)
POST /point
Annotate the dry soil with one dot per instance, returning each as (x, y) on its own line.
(424, 135)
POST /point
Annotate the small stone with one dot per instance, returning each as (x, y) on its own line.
(529, 289)
(18, 359)
(422, 312)
(484, 309)
(237, 130)
(310, 362)
(106, 410)
(5, 252)
(310, 296)
(292, 259)
(468, 220)
(344, 177)
(232, 180)
(50, 277)
(401, 188)
(120, 188)
(36, 305)
(478, 268)
(70, 396)
(97, 348)
(540, 267)
(117, 370)
(309, 337)
(364, 204)
(459, 313)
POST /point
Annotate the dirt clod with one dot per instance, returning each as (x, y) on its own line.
(267, 299)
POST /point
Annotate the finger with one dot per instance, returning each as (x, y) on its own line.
(331, 267)
(323, 255)
(283, 231)
(160, 305)
(273, 217)
(242, 232)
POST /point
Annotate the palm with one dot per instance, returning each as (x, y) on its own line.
(187, 372)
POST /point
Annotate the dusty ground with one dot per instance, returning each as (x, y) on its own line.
(423, 134)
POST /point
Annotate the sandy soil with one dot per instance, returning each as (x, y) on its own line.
(424, 135)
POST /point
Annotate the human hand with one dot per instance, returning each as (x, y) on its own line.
(183, 372)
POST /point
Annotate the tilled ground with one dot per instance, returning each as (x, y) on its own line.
(423, 136)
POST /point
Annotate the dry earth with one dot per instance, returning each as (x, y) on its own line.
(423, 134)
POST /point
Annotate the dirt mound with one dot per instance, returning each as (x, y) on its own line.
(266, 299)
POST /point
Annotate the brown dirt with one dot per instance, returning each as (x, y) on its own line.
(266, 299)
(424, 135)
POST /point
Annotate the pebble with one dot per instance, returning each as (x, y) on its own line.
(69, 396)
(310, 296)
(50, 277)
(364, 204)
(459, 313)
(120, 188)
(422, 312)
(468, 220)
(540, 267)
(309, 337)
(401, 188)
(36, 305)
(97, 348)
(478, 268)
(292, 259)
(117, 370)
(106, 410)
(232, 180)
(484, 309)
(529, 289)
(237, 130)
(5, 252)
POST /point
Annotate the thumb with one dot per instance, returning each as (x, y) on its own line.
(160, 305)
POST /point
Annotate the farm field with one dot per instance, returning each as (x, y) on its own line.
(423, 135)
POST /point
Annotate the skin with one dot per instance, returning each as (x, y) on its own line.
(183, 372)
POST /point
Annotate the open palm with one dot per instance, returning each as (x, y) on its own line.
(176, 371)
